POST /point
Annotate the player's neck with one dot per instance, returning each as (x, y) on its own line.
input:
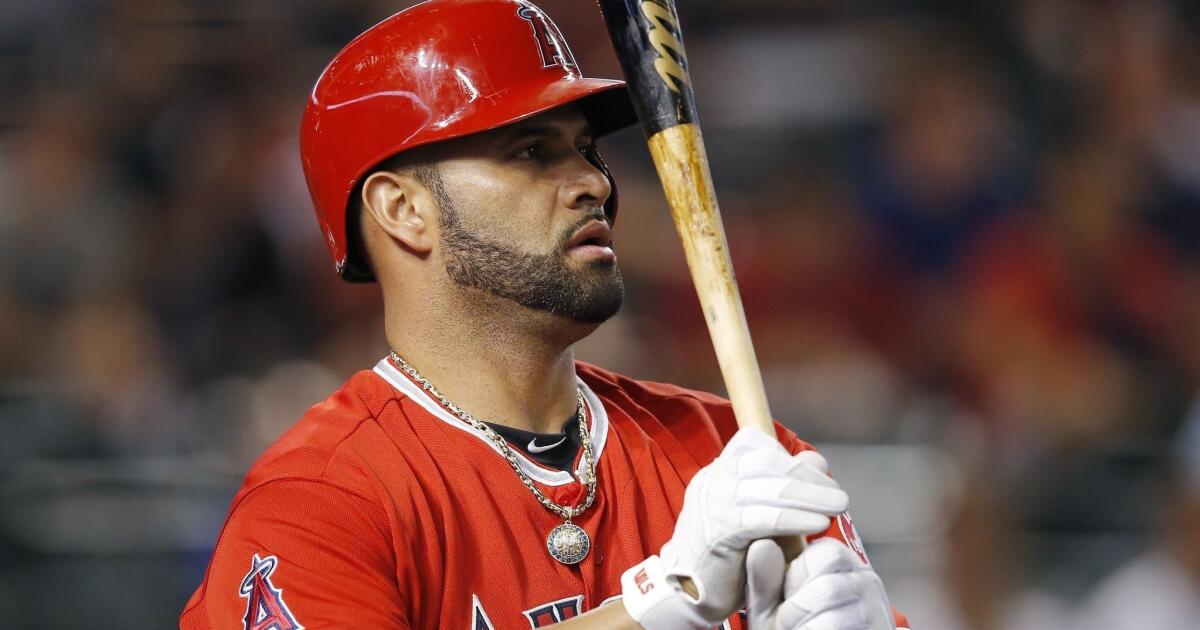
(499, 369)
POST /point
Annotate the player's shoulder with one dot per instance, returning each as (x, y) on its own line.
(324, 444)
(681, 411)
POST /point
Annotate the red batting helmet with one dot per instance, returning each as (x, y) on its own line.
(438, 70)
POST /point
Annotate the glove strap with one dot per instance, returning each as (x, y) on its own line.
(656, 602)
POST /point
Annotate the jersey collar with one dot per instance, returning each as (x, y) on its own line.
(598, 430)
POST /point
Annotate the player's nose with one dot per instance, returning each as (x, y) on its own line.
(586, 187)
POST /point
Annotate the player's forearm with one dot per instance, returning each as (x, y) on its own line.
(612, 616)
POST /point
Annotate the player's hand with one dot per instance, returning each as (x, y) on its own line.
(826, 588)
(753, 490)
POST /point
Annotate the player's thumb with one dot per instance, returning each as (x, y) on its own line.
(814, 459)
(764, 583)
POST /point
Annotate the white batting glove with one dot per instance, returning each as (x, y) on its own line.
(754, 489)
(827, 588)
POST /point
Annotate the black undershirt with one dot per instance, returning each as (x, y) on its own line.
(561, 456)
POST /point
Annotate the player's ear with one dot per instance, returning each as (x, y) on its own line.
(401, 206)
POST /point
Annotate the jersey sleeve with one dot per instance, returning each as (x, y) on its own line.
(790, 442)
(301, 553)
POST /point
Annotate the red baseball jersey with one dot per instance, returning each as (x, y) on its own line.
(381, 509)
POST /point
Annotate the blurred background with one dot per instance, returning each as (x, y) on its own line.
(967, 236)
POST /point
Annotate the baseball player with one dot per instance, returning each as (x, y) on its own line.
(478, 477)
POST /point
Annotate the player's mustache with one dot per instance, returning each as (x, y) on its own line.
(595, 214)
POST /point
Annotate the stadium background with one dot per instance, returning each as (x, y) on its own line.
(966, 235)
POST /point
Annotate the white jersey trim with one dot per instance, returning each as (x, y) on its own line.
(536, 472)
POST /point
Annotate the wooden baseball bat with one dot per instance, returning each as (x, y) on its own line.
(648, 42)
(649, 45)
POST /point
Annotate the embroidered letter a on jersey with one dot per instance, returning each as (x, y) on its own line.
(265, 609)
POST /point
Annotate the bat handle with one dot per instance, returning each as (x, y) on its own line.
(792, 547)
(682, 165)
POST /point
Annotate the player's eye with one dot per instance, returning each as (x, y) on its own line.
(531, 151)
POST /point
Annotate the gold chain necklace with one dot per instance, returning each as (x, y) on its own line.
(567, 543)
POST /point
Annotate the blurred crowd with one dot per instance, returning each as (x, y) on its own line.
(967, 236)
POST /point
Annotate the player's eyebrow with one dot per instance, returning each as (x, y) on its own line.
(544, 131)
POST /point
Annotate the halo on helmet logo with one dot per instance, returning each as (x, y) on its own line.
(552, 46)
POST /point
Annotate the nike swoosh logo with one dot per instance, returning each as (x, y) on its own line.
(534, 448)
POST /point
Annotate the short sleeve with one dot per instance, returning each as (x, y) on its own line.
(301, 553)
(790, 442)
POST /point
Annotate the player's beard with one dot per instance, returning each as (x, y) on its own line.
(547, 282)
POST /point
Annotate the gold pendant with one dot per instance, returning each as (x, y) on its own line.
(568, 543)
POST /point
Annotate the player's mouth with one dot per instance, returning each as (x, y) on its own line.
(592, 242)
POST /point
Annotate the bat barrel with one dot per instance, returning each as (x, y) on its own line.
(649, 44)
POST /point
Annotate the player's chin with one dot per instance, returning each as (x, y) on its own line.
(599, 308)
(598, 296)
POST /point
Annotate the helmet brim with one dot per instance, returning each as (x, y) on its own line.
(604, 102)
